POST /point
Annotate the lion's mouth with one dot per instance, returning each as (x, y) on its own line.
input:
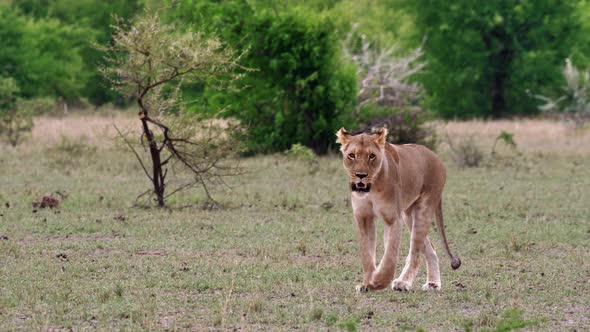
(360, 187)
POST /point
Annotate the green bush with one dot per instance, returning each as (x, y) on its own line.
(42, 55)
(94, 18)
(300, 90)
(309, 94)
(301, 152)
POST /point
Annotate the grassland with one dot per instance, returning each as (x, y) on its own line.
(281, 254)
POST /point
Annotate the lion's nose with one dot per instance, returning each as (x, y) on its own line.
(361, 175)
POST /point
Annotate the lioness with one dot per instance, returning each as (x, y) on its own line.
(395, 182)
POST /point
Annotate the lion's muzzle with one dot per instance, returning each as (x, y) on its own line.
(360, 187)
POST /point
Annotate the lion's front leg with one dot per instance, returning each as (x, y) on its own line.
(385, 272)
(365, 227)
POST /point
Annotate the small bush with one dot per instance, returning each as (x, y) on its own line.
(301, 152)
(16, 114)
(466, 153)
(74, 147)
(506, 138)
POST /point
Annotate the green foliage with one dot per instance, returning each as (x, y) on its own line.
(301, 152)
(158, 61)
(300, 91)
(506, 138)
(483, 56)
(510, 320)
(95, 19)
(42, 55)
(349, 325)
(298, 60)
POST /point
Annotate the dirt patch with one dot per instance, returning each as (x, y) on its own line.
(48, 201)
(576, 315)
(151, 252)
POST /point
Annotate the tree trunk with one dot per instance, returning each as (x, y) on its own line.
(157, 175)
(497, 94)
(500, 57)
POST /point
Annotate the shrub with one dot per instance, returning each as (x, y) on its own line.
(387, 97)
(16, 114)
(507, 138)
(309, 92)
(575, 103)
(466, 153)
(300, 91)
(406, 126)
(301, 152)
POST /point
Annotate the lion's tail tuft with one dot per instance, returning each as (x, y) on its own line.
(455, 261)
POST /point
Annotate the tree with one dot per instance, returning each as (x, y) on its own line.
(483, 56)
(43, 56)
(384, 75)
(149, 62)
(95, 18)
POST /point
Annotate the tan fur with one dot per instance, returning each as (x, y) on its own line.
(406, 184)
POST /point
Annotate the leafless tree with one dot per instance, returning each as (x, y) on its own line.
(383, 75)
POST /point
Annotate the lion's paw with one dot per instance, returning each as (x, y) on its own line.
(361, 289)
(400, 285)
(430, 286)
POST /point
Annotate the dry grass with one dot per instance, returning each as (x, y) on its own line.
(531, 136)
(93, 129)
(96, 130)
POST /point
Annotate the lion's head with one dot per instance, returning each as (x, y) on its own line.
(363, 155)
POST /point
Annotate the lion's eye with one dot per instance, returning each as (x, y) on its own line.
(351, 156)
(372, 156)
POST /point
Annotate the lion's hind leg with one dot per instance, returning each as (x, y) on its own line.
(432, 267)
(421, 214)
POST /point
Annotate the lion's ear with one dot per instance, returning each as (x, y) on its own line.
(343, 137)
(380, 136)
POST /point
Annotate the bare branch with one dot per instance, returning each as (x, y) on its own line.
(383, 76)
(134, 152)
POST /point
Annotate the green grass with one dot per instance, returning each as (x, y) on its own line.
(282, 253)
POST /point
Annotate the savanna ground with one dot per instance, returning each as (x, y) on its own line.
(282, 254)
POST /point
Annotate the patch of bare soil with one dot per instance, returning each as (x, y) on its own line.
(576, 315)
(151, 252)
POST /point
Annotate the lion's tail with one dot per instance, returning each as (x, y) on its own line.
(455, 261)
